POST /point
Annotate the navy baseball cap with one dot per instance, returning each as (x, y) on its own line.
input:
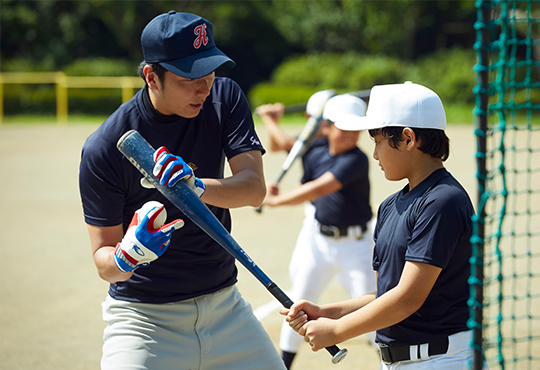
(183, 44)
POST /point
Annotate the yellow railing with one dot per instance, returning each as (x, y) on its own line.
(63, 83)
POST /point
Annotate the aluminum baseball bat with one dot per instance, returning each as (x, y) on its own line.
(140, 153)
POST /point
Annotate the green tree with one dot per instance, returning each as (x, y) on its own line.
(404, 28)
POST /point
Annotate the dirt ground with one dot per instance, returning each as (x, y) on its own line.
(50, 293)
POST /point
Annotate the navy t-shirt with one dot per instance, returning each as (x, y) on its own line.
(193, 264)
(430, 224)
(349, 205)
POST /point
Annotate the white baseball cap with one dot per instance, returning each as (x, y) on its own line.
(344, 108)
(317, 101)
(400, 105)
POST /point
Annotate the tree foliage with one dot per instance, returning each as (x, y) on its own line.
(259, 34)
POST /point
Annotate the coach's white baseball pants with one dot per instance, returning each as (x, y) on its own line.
(211, 332)
(317, 259)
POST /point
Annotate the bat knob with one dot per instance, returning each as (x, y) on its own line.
(336, 359)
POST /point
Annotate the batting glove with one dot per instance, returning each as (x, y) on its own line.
(145, 240)
(170, 169)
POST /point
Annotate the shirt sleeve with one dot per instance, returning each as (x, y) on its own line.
(101, 192)
(440, 223)
(239, 132)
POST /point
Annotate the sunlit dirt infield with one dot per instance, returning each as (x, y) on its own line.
(50, 293)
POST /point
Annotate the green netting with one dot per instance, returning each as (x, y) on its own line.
(505, 267)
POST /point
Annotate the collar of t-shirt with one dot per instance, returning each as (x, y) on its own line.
(153, 112)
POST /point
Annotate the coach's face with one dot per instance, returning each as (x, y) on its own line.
(180, 95)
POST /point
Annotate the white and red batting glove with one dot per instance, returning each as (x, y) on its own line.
(170, 169)
(146, 238)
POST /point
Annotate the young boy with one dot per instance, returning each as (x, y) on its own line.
(422, 245)
(338, 242)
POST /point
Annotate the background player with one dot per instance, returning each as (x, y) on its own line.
(180, 309)
(337, 241)
(422, 244)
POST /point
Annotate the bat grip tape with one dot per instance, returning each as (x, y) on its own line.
(279, 295)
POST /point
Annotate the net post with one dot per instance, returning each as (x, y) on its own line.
(477, 270)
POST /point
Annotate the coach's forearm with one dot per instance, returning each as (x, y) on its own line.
(246, 186)
(107, 269)
(243, 189)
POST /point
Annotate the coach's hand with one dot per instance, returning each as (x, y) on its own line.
(170, 169)
(146, 238)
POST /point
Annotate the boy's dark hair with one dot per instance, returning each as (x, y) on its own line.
(433, 142)
(156, 67)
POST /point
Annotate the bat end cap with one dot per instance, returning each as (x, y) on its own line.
(338, 357)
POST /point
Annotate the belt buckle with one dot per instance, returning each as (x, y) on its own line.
(327, 229)
(384, 351)
(335, 230)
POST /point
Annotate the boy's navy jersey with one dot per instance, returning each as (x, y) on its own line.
(193, 264)
(349, 205)
(430, 224)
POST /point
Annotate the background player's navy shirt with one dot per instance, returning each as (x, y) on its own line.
(429, 224)
(349, 205)
(193, 264)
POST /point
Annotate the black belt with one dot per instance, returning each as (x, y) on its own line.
(338, 232)
(403, 353)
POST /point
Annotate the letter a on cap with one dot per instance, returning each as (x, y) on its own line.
(202, 38)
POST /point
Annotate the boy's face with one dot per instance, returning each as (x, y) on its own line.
(392, 161)
(182, 96)
(340, 141)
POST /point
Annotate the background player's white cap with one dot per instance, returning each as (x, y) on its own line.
(400, 105)
(316, 102)
(343, 108)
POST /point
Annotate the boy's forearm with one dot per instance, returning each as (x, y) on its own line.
(340, 309)
(385, 311)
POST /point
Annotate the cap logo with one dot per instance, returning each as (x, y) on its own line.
(202, 38)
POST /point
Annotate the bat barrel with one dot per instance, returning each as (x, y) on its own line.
(140, 153)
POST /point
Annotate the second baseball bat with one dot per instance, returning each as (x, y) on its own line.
(140, 153)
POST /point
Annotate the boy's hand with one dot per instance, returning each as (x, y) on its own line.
(319, 333)
(273, 111)
(272, 190)
(296, 320)
(306, 319)
(299, 314)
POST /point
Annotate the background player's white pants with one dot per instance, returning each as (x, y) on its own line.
(458, 357)
(316, 259)
(212, 332)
